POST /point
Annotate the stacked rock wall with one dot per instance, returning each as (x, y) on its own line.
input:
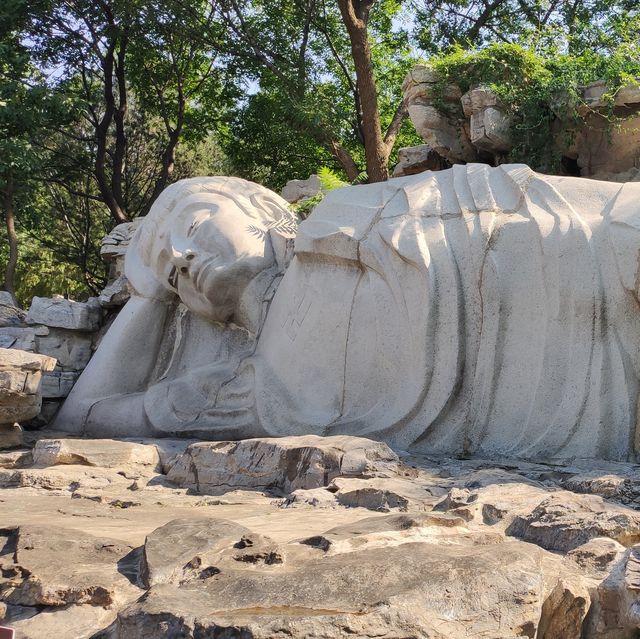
(64, 330)
(21, 376)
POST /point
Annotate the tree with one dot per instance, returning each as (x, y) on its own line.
(571, 26)
(26, 108)
(355, 15)
(119, 54)
(300, 53)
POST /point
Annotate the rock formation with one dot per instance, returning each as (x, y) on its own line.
(20, 391)
(472, 310)
(65, 329)
(297, 190)
(476, 127)
(107, 538)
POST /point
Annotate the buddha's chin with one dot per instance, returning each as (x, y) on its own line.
(218, 304)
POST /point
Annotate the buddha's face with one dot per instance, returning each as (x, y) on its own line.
(208, 252)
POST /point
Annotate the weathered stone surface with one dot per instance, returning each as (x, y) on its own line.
(404, 590)
(564, 611)
(381, 494)
(284, 464)
(10, 313)
(183, 549)
(616, 613)
(169, 450)
(114, 245)
(71, 349)
(492, 501)
(565, 521)
(64, 479)
(38, 572)
(20, 378)
(416, 159)
(314, 497)
(296, 190)
(442, 135)
(622, 487)
(243, 563)
(58, 383)
(597, 555)
(11, 436)
(393, 530)
(106, 453)
(22, 338)
(62, 313)
(490, 130)
(77, 622)
(15, 459)
(116, 293)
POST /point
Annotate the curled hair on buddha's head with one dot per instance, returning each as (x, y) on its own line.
(269, 210)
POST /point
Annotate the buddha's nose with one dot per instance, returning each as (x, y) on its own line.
(181, 259)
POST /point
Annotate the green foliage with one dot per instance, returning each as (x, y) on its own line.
(41, 272)
(269, 142)
(303, 208)
(536, 89)
(570, 26)
(330, 181)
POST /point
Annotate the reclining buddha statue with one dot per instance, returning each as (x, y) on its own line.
(475, 310)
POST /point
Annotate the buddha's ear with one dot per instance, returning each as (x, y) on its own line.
(283, 221)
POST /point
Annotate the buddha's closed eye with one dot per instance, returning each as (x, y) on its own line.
(173, 278)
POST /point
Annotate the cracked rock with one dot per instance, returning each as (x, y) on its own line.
(282, 464)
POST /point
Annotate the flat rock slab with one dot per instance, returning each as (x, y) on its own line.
(565, 521)
(73, 622)
(62, 313)
(174, 551)
(63, 478)
(411, 590)
(106, 453)
(60, 567)
(282, 464)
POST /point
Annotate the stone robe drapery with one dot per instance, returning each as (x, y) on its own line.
(473, 310)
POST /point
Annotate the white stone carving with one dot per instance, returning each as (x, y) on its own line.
(472, 310)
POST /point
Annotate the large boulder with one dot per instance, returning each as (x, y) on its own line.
(282, 464)
(562, 522)
(20, 390)
(37, 575)
(105, 453)
(296, 190)
(405, 590)
(10, 313)
(415, 159)
(63, 313)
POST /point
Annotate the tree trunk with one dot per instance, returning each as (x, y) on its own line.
(345, 159)
(10, 270)
(355, 15)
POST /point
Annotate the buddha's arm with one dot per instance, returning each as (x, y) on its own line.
(123, 362)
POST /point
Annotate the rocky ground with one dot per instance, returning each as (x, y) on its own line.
(312, 537)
